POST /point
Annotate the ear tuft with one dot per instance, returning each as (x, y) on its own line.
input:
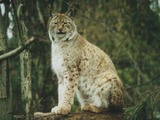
(70, 12)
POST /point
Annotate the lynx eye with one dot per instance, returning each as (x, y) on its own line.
(65, 23)
(55, 23)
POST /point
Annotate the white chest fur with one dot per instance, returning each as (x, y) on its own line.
(63, 55)
(57, 58)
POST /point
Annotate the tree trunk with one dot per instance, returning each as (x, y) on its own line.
(25, 61)
(5, 84)
(25, 57)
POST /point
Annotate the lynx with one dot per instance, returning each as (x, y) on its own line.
(82, 69)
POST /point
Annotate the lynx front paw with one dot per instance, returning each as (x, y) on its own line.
(61, 110)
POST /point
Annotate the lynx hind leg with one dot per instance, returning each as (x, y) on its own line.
(98, 101)
(92, 108)
(116, 96)
(86, 105)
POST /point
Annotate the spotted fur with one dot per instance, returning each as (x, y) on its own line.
(82, 68)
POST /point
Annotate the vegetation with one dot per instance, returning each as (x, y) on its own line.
(127, 30)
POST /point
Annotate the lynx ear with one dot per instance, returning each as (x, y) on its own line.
(53, 14)
(68, 13)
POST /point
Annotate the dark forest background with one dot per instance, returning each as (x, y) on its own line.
(127, 30)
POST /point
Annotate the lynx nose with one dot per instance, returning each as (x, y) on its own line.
(60, 29)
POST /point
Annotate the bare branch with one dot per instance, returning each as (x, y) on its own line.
(17, 50)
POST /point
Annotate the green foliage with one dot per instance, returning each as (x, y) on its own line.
(147, 108)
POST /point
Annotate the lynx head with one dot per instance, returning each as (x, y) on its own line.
(61, 28)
